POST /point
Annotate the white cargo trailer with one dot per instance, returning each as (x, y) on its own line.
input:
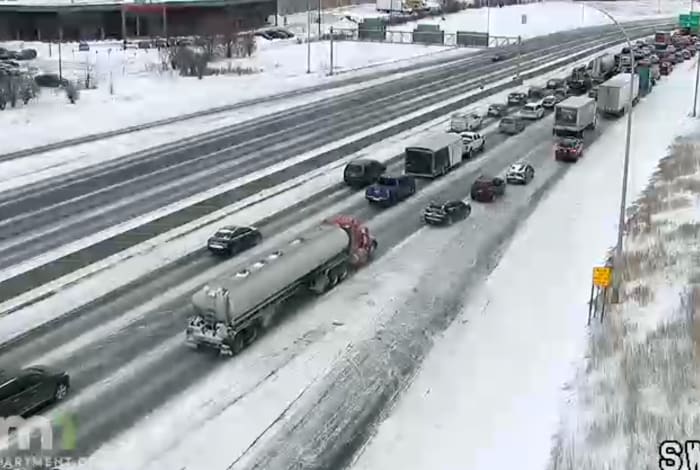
(232, 310)
(614, 94)
(574, 115)
(434, 155)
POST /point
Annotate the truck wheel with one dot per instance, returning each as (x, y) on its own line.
(238, 343)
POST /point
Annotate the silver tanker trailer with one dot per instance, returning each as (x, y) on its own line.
(231, 311)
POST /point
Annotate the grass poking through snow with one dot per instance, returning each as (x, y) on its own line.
(639, 384)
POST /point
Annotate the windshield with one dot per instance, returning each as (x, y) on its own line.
(223, 234)
(386, 181)
(355, 169)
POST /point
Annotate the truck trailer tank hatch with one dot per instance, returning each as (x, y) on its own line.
(242, 273)
(274, 255)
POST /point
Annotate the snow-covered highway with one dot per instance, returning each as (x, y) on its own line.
(55, 212)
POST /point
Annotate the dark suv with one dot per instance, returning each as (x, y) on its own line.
(25, 391)
(389, 190)
(233, 240)
(488, 188)
(363, 172)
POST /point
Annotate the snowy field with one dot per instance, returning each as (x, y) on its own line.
(143, 92)
(542, 18)
(490, 393)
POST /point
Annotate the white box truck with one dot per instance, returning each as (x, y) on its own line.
(614, 95)
(574, 115)
(435, 155)
(388, 6)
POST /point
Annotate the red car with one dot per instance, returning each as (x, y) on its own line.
(665, 68)
(568, 150)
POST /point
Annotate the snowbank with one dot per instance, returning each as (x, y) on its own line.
(638, 386)
(489, 394)
(143, 92)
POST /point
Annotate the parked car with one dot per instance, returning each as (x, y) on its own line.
(568, 149)
(497, 110)
(232, 240)
(686, 54)
(520, 173)
(532, 111)
(511, 125)
(679, 57)
(363, 172)
(550, 101)
(25, 391)
(389, 190)
(517, 98)
(446, 213)
(488, 188)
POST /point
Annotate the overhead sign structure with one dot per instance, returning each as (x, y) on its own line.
(691, 20)
(602, 276)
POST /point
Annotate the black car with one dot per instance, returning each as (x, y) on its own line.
(363, 172)
(27, 390)
(554, 83)
(536, 93)
(498, 57)
(233, 240)
(517, 98)
(488, 188)
(446, 213)
(497, 110)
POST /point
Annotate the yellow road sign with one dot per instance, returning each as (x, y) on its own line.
(602, 276)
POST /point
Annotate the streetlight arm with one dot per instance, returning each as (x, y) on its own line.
(617, 260)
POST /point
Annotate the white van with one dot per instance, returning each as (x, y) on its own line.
(532, 111)
(463, 122)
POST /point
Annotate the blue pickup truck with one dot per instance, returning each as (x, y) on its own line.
(389, 190)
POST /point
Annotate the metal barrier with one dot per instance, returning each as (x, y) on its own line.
(422, 35)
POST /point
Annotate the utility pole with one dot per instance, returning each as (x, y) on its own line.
(308, 36)
(331, 41)
(488, 21)
(60, 59)
(697, 81)
(320, 10)
(520, 41)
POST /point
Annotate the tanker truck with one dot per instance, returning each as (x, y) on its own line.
(230, 313)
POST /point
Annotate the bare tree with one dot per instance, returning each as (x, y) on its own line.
(249, 44)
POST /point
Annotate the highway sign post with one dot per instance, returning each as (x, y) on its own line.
(601, 281)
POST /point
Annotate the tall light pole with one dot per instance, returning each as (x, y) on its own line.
(617, 260)
(488, 21)
(308, 36)
(695, 95)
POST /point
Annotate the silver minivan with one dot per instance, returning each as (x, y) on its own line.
(511, 125)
